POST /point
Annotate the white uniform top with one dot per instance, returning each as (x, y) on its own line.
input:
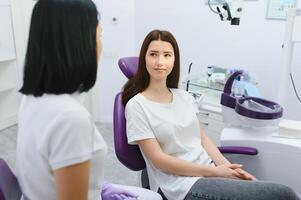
(56, 131)
(176, 128)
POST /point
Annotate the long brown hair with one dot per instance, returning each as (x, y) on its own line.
(141, 79)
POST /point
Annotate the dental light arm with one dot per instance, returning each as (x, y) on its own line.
(229, 10)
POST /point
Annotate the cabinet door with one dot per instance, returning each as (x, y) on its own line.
(7, 76)
(9, 103)
(211, 126)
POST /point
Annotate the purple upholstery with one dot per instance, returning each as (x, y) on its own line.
(9, 186)
(129, 155)
(238, 150)
(128, 66)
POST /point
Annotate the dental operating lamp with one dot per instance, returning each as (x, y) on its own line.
(228, 10)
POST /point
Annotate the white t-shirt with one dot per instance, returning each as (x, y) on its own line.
(56, 131)
(176, 128)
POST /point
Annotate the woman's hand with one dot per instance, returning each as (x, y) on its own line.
(234, 171)
(229, 171)
(245, 175)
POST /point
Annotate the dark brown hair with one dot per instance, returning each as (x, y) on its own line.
(141, 79)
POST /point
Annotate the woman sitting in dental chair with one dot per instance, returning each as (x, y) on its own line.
(181, 160)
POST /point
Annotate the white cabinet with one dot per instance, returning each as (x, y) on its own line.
(9, 99)
(210, 112)
(211, 119)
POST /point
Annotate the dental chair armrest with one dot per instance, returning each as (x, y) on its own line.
(238, 150)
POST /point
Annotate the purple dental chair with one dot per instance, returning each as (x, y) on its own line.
(130, 155)
(9, 186)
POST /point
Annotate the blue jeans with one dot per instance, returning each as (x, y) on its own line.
(232, 189)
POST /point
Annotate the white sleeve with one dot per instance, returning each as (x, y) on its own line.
(70, 139)
(137, 124)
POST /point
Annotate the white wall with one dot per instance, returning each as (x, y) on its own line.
(254, 46)
(118, 41)
(21, 13)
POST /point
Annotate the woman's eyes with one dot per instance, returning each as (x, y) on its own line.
(155, 54)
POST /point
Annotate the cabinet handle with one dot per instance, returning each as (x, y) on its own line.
(203, 114)
(205, 124)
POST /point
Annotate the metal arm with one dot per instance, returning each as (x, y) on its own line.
(292, 36)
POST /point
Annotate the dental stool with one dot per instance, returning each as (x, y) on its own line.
(9, 186)
(130, 155)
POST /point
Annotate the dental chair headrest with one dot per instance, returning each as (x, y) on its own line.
(128, 66)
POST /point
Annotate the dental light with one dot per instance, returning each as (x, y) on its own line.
(229, 10)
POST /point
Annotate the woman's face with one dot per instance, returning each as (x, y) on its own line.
(98, 41)
(159, 59)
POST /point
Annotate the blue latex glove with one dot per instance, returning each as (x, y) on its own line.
(111, 192)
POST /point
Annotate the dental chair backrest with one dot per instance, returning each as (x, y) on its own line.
(128, 155)
(128, 66)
